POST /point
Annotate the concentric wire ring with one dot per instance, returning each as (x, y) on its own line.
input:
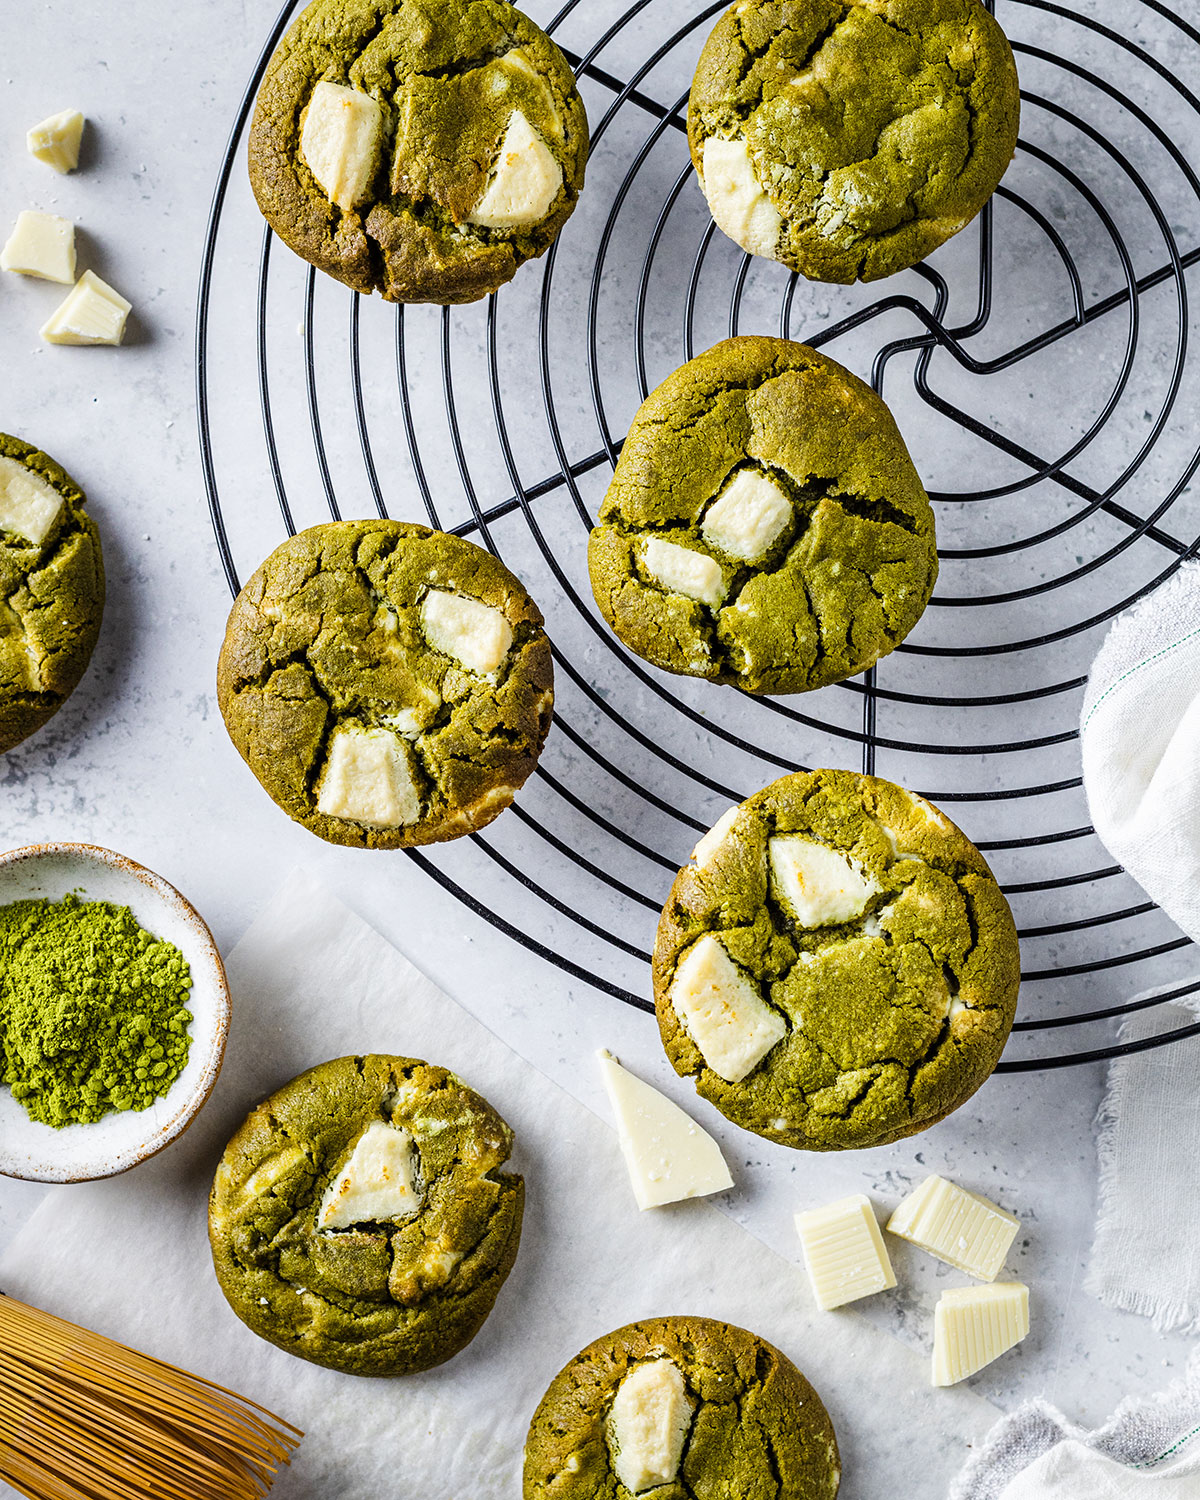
(1038, 365)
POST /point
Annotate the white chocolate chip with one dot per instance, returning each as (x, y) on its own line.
(724, 1014)
(56, 140)
(736, 198)
(91, 313)
(748, 517)
(377, 1184)
(684, 571)
(41, 245)
(647, 1425)
(816, 885)
(475, 634)
(525, 180)
(368, 779)
(844, 1252)
(973, 1325)
(29, 505)
(714, 838)
(340, 141)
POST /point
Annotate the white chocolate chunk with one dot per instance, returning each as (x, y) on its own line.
(474, 634)
(961, 1228)
(368, 779)
(817, 885)
(29, 504)
(525, 180)
(56, 140)
(340, 141)
(723, 1011)
(973, 1325)
(666, 1153)
(844, 1251)
(748, 517)
(648, 1425)
(714, 838)
(91, 313)
(684, 571)
(377, 1185)
(41, 245)
(736, 198)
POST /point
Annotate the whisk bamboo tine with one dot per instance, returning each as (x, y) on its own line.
(84, 1418)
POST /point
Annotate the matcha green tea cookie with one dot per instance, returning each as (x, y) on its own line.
(681, 1407)
(836, 967)
(420, 148)
(765, 526)
(387, 684)
(51, 589)
(359, 1217)
(850, 138)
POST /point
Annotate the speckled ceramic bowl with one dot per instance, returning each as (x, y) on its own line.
(120, 1140)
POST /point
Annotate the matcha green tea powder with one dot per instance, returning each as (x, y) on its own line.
(93, 1010)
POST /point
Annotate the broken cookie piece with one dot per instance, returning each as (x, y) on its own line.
(837, 967)
(422, 151)
(765, 526)
(389, 685)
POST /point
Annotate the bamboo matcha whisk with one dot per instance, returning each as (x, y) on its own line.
(83, 1418)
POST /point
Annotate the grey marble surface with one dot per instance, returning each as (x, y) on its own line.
(138, 759)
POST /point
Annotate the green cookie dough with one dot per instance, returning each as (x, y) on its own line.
(449, 76)
(51, 592)
(748, 1423)
(870, 964)
(834, 552)
(352, 719)
(850, 138)
(381, 1296)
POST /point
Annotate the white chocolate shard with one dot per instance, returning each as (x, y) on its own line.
(668, 1156)
(816, 885)
(748, 517)
(844, 1251)
(341, 140)
(648, 1425)
(368, 779)
(684, 571)
(377, 1185)
(29, 504)
(91, 313)
(41, 245)
(525, 180)
(475, 634)
(56, 140)
(714, 838)
(973, 1325)
(963, 1229)
(724, 1014)
(736, 198)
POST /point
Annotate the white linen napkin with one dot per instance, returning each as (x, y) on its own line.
(1146, 1253)
(1148, 1450)
(129, 1257)
(1140, 734)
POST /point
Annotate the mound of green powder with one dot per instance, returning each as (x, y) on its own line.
(93, 1013)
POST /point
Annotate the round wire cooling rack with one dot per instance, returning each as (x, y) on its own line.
(1037, 364)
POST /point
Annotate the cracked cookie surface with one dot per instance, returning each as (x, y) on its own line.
(428, 211)
(387, 684)
(51, 589)
(367, 1295)
(765, 526)
(836, 967)
(740, 1420)
(850, 138)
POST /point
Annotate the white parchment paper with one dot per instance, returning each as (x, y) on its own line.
(311, 981)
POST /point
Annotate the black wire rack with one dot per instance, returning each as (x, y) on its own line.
(1038, 366)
